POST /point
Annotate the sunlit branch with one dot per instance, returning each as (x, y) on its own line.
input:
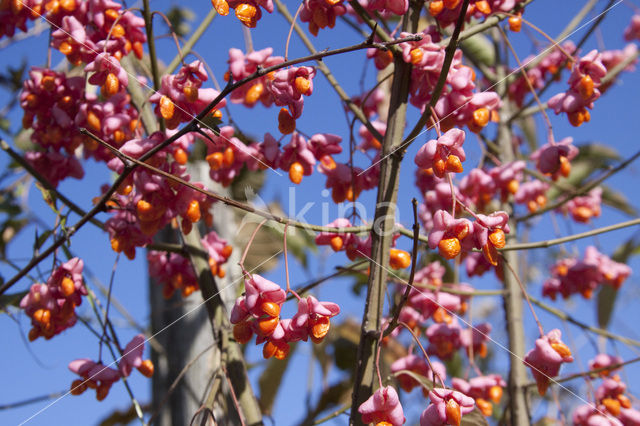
(566, 317)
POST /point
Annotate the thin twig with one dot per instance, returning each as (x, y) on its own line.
(566, 317)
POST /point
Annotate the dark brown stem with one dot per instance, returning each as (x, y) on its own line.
(414, 260)
(383, 226)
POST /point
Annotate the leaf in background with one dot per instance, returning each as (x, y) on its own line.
(48, 197)
(9, 230)
(606, 301)
(479, 49)
(247, 184)
(263, 254)
(270, 379)
(474, 418)
(180, 18)
(345, 345)
(22, 140)
(298, 240)
(335, 395)
(8, 204)
(13, 299)
(40, 239)
(598, 154)
(528, 127)
(607, 294)
(617, 200)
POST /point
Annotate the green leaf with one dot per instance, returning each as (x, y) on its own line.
(12, 299)
(474, 418)
(598, 154)
(528, 127)
(179, 17)
(40, 239)
(617, 200)
(23, 140)
(48, 197)
(8, 231)
(607, 295)
(270, 380)
(345, 345)
(479, 49)
(606, 301)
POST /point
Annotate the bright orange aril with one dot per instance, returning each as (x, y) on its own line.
(181, 156)
(193, 211)
(336, 243)
(490, 253)
(454, 164)
(416, 56)
(612, 406)
(515, 23)
(191, 93)
(93, 121)
(481, 117)
(562, 349)
(296, 171)
(117, 31)
(269, 349)
(319, 328)
(111, 85)
(242, 332)
(282, 351)
(246, 13)
(625, 402)
(228, 157)
(48, 83)
(254, 93)
(435, 7)
(167, 107)
(221, 6)
(586, 87)
(495, 393)
(452, 411)
(43, 316)
(226, 251)
(485, 407)
(483, 6)
(439, 166)
(303, 85)
(215, 160)
(67, 286)
(267, 325)
(449, 247)
(270, 308)
(146, 368)
(497, 238)
(399, 259)
(565, 166)
(286, 123)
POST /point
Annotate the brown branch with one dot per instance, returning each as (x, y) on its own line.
(414, 255)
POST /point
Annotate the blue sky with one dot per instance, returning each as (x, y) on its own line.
(33, 369)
